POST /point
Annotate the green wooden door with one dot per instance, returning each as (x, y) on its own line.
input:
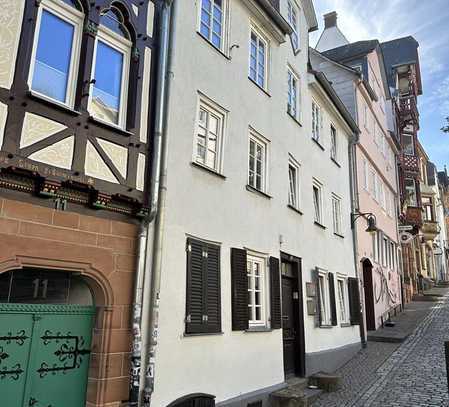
(48, 351)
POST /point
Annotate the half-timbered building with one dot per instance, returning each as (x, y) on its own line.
(75, 118)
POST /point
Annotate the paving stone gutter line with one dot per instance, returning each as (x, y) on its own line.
(368, 397)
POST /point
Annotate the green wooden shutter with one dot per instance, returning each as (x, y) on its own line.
(213, 289)
(275, 293)
(330, 277)
(239, 281)
(195, 304)
(316, 282)
(354, 301)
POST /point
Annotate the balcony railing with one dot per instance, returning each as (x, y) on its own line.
(430, 229)
(408, 110)
(413, 216)
(410, 163)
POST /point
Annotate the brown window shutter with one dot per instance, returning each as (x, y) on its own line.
(239, 281)
(316, 281)
(330, 276)
(354, 301)
(275, 293)
(195, 304)
(213, 289)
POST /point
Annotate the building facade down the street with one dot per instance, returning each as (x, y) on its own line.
(258, 281)
(433, 232)
(357, 73)
(75, 105)
(404, 79)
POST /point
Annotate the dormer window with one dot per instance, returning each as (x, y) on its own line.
(55, 57)
(109, 90)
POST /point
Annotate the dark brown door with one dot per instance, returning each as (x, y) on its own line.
(369, 296)
(292, 318)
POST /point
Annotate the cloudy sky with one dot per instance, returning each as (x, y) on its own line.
(427, 21)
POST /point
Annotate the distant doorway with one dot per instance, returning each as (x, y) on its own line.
(369, 295)
(292, 316)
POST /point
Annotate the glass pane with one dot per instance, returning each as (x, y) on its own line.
(206, 5)
(258, 313)
(37, 287)
(114, 21)
(53, 57)
(107, 88)
(213, 124)
(205, 30)
(257, 301)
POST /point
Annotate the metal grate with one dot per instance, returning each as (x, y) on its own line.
(255, 404)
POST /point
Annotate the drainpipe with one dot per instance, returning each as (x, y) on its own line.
(150, 309)
(352, 153)
(144, 273)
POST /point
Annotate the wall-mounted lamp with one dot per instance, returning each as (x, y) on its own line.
(370, 219)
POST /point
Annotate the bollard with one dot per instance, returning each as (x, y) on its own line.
(446, 351)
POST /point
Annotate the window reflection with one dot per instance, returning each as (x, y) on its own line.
(53, 57)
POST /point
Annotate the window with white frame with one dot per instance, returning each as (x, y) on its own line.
(256, 270)
(209, 135)
(385, 250)
(410, 192)
(110, 71)
(381, 194)
(343, 303)
(336, 214)
(334, 143)
(375, 248)
(55, 56)
(317, 121)
(365, 175)
(323, 287)
(257, 163)
(212, 22)
(408, 144)
(372, 181)
(293, 94)
(318, 201)
(293, 19)
(258, 58)
(293, 182)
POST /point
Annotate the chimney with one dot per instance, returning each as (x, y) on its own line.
(330, 20)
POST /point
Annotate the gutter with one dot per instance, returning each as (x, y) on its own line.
(145, 273)
(276, 16)
(150, 312)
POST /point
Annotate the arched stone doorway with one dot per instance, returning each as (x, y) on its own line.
(46, 329)
(194, 400)
(369, 295)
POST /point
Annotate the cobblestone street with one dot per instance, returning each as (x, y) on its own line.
(411, 374)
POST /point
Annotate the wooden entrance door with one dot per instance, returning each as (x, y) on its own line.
(292, 317)
(369, 295)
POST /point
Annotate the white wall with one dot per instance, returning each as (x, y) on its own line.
(222, 210)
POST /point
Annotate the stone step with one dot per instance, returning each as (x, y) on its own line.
(291, 397)
(325, 381)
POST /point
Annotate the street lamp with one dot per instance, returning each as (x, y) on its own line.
(370, 219)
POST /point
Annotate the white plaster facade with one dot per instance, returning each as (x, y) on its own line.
(377, 190)
(219, 208)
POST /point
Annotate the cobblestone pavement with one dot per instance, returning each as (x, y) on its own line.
(411, 374)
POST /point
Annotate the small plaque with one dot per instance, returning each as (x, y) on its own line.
(311, 307)
(311, 290)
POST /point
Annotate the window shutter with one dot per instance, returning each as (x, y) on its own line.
(275, 293)
(213, 288)
(316, 281)
(195, 304)
(330, 276)
(239, 282)
(354, 301)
